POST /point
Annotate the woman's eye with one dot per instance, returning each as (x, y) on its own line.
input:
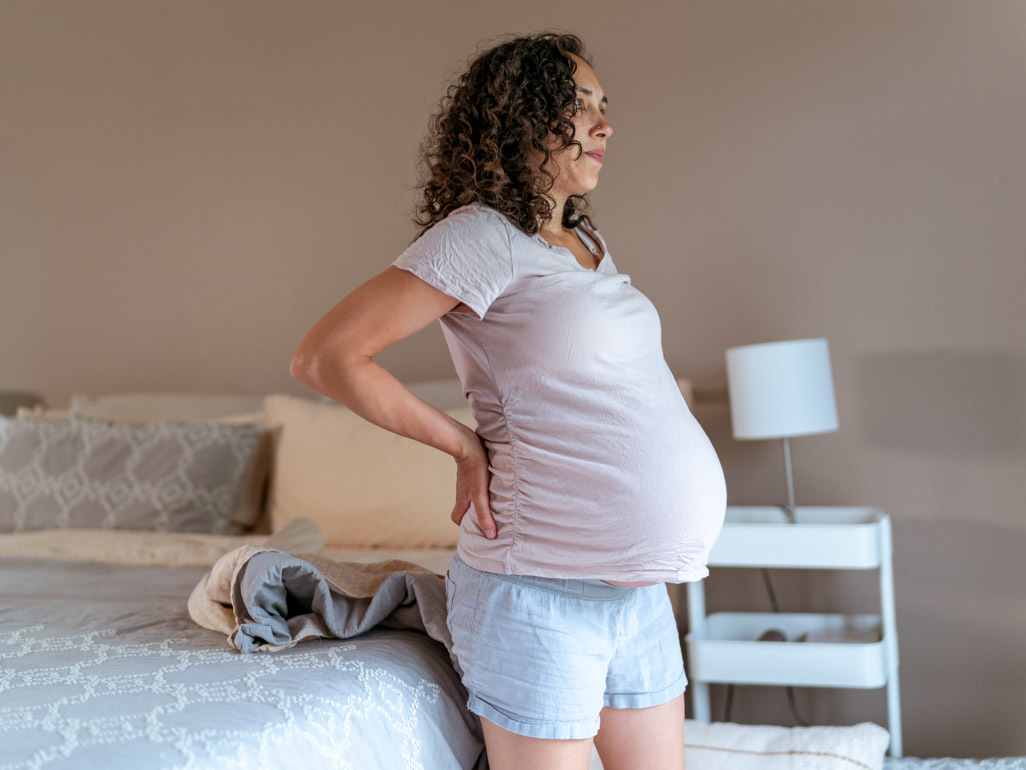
(581, 106)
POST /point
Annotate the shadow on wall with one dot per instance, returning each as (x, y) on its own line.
(945, 402)
(970, 561)
(961, 598)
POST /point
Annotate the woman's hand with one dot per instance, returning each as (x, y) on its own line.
(472, 478)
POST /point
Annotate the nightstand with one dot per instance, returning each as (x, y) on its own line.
(722, 648)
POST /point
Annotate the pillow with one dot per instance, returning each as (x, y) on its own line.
(80, 472)
(41, 412)
(146, 407)
(445, 394)
(364, 486)
(732, 746)
(158, 407)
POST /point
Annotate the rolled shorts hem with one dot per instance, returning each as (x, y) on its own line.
(640, 700)
(586, 728)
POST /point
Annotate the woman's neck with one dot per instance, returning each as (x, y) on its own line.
(554, 227)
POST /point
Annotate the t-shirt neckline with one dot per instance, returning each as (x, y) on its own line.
(593, 233)
(537, 237)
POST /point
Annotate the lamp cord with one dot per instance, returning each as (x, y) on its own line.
(790, 690)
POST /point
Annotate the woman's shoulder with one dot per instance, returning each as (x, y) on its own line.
(473, 210)
(472, 218)
(466, 233)
(475, 221)
(480, 213)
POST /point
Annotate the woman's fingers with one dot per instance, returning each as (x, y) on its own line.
(485, 520)
(484, 514)
(472, 480)
(459, 511)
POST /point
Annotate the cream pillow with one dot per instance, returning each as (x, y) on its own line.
(364, 486)
(733, 746)
(41, 412)
(144, 407)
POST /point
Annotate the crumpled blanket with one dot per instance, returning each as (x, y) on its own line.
(266, 598)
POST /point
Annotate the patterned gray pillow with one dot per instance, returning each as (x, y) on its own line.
(85, 472)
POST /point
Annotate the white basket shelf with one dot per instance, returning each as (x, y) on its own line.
(724, 647)
(727, 650)
(822, 538)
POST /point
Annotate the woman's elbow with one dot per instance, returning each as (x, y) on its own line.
(299, 367)
(309, 366)
(306, 361)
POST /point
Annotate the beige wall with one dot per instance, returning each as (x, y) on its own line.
(186, 187)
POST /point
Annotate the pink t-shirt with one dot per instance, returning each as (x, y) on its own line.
(598, 468)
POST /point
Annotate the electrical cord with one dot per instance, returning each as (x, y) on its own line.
(790, 690)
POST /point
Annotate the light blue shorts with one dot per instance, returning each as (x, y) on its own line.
(542, 656)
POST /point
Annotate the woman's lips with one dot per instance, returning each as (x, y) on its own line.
(596, 156)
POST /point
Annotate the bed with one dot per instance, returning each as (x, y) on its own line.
(116, 509)
(100, 661)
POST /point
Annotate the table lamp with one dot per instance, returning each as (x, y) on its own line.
(780, 390)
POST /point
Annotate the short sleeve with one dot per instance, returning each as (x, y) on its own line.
(467, 255)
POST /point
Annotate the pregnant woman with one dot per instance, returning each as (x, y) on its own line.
(591, 483)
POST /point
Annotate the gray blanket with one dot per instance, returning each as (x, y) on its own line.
(277, 597)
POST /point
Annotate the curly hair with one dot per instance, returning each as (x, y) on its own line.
(491, 121)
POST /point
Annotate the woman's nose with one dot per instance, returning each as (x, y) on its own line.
(604, 128)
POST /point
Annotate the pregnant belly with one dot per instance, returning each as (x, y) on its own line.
(643, 498)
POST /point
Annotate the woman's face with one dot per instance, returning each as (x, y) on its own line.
(579, 175)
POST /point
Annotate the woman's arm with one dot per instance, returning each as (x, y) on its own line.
(336, 358)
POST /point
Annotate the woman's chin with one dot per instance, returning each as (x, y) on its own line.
(587, 188)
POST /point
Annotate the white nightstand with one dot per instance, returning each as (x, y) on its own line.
(722, 647)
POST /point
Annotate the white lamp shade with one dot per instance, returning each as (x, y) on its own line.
(780, 389)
